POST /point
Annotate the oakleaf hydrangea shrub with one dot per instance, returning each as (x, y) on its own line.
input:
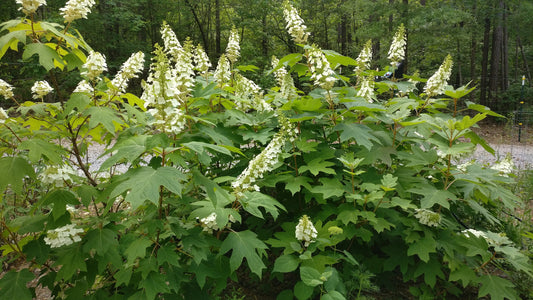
(207, 181)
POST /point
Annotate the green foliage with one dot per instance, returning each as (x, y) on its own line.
(199, 187)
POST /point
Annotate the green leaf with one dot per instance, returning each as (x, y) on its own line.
(362, 134)
(154, 284)
(497, 287)
(331, 187)
(59, 199)
(286, 264)
(144, 184)
(123, 276)
(336, 58)
(128, 150)
(40, 148)
(245, 244)
(11, 40)
(289, 60)
(333, 295)
(105, 116)
(431, 271)
(294, 184)
(200, 147)
(13, 285)
(316, 166)
(14, 169)
(464, 274)
(47, 56)
(254, 200)
(71, 261)
(167, 254)
(302, 291)
(101, 240)
(418, 157)
(433, 196)
(311, 276)
(137, 249)
(423, 247)
(76, 101)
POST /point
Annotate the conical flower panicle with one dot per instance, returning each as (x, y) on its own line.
(170, 41)
(76, 9)
(364, 59)
(265, 161)
(130, 69)
(437, 83)
(6, 89)
(94, 66)
(223, 71)
(201, 60)
(233, 49)
(397, 48)
(295, 24)
(41, 89)
(305, 231)
(29, 7)
(185, 70)
(367, 89)
(321, 72)
(250, 94)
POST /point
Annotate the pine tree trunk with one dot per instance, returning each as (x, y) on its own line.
(484, 63)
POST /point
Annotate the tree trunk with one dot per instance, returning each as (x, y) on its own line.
(526, 66)
(217, 29)
(505, 49)
(484, 63)
(496, 55)
(200, 26)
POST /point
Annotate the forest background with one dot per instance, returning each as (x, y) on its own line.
(490, 40)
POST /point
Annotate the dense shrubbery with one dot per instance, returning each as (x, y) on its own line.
(331, 193)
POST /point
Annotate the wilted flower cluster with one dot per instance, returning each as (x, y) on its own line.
(364, 58)
(285, 81)
(6, 89)
(233, 49)
(428, 217)
(321, 71)
(94, 66)
(223, 71)
(295, 24)
(367, 89)
(41, 89)
(30, 6)
(265, 161)
(57, 176)
(305, 231)
(249, 94)
(201, 60)
(438, 82)
(63, 236)
(505, 167)
(397, 48)
(129, 70)
(76, 9)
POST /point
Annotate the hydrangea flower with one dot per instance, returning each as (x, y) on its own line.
(76, 9)
(305, 231)
(30, 6)
(265, 161)
(364, 58)
(222, 73)
(492, 238)
(367, 89)
(202, 62)
(170, 41)
(57, 176)
(63, 236)
(6, 89)
(438, 82)
(250, 94)
(285, 81)
(397, 48)
(129, 70)
(233, 49)
(209, 223)
(428, 217)
(94, 66)
(321, 71)
(84, 87)
(504, 167)
(41, 89)
(3, 116)
(185, 71)
(295, 24)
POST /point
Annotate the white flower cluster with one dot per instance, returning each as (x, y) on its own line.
(364, 58)
(438, 82)
(76, 9)
(427, 217)
(321, 71)
(170, 41)
(201, 60)
(30, 6)
(209, 223)
(223, 71)
(305, 231)
(94, 66)
(185, 71)
(6, 89)
(129, 70)
(505, 167)
(57, 176)
(63, 236)
(3, 116)
(250, 95)
(84, 87)
(295, 24)
(233, 49)
(492, 238)
(41, 89)
(367, 89)
(397, 48)
(463, 167)
(265, 161)
(285, 81)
